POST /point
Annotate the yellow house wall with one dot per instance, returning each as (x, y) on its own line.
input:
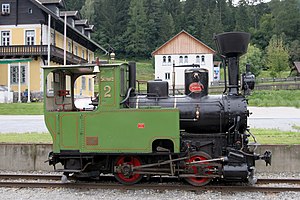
(59, 41)
(18, 38)
(17, 34)
(34, 76)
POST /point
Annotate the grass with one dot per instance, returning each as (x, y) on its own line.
(275, 136)
(268, 98)
(263, 136)
(21, 109)
(25, 138)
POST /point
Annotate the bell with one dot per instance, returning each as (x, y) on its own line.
(96, 69)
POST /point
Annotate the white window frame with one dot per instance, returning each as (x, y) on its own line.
(14, 74)
(169, 59)
(197, 59)
(167, 76)
(202, 60)
(90, 84)
(186, 59)
(164, 60)
(82, 53)
(83, 83)
(180, 59)
(5, 40)
(70, 46)
(5, 8)
(76, 50)
(29, 39)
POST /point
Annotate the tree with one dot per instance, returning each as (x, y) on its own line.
(286, 14)
(175, 8)
(153, 24)
(88, 10)
(74, 4)
(263, 34)
(277, 56)
(136, 35)
(254, 58)
(242, 17)
(166, 28)
(295, 51)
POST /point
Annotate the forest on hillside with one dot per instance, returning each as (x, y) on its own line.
(135, 28)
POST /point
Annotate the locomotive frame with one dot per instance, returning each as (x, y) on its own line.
(196, 136)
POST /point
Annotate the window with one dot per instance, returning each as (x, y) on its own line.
(164, 59)
(197, 59)
(202, 60)
(5, 9)
(83, 83)
(169, 59)
(29, 10)
(90, 84)
(52, 38)
(180, 59)
(76, 50)
(186, 59)
(69, 46)
(29, 37)
(82, 53)
(5, 38)
(167, 76)
(14, 74)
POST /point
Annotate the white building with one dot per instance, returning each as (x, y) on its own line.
(182, 49)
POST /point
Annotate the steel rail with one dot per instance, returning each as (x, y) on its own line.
(149, 186)
(109, 178)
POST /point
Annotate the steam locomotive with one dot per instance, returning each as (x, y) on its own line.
(195, 136)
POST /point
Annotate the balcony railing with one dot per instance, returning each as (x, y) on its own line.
(57, 54)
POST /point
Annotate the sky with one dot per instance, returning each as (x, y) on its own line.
(236, 1)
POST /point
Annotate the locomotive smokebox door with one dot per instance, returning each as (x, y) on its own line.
(196, 82)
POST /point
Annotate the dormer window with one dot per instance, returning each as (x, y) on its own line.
(5, 9)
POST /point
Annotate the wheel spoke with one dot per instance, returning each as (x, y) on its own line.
(126, 176)
(196, 169)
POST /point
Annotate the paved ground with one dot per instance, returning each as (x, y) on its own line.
(282, 118)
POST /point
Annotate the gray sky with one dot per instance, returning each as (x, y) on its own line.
(236, 1)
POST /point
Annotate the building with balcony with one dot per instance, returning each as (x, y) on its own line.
(33, 33)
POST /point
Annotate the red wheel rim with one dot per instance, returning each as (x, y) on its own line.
(198, 180)
(129, 160)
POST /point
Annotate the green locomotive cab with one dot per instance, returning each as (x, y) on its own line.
(108, 125)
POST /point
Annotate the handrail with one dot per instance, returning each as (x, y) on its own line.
(38, 50)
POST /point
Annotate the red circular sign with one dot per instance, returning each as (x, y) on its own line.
(196, 87)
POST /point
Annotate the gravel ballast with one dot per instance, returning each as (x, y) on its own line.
(74, 194)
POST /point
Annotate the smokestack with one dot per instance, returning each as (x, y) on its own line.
(232, 45)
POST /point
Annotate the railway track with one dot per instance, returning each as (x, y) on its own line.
(53, 181)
